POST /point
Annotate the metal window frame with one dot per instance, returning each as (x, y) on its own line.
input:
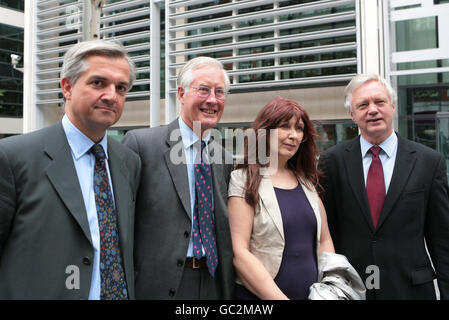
(49, 20)
(426, 8)
(177, 41)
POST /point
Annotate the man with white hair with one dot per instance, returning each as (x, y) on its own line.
(183, 242)
(386, 200)
(67, 191)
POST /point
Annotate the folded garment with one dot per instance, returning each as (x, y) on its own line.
(337, 279)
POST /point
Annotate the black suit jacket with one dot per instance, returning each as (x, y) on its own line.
(163, 214)
(43, 220)
(415, 212)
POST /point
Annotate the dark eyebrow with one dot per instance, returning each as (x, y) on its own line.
(124, 83)
(98, 77)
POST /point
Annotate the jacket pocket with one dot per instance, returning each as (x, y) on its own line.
(411, 195)
(422, 276)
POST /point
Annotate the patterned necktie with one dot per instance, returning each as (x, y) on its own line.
(203, 216)
(375, 185)
(113, 282)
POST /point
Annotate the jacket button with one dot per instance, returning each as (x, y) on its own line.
(171, 293)
(180, 263)
(186, 234)
(86, 261)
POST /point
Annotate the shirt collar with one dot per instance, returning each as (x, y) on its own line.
(78, 141)
(388, 146)
(188, 136)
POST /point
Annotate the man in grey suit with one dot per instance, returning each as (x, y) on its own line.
(54, 223)
(168, 264)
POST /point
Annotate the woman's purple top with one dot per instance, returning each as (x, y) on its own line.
(298, 270)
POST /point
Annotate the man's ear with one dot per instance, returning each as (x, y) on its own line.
(181, 93)
(351, 114)
(66, 88)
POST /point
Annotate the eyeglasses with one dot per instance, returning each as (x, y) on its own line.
(204, 92)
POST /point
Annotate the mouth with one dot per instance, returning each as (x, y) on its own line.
(209, 111)
(106, 108)
(374, 120)
(290, 146)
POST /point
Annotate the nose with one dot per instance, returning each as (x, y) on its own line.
(293, 133)
(212, 98)
(109, 92)
(372, 108)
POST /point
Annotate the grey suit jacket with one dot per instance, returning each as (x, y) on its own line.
(43, 220)
(163, 215)
(416, 208)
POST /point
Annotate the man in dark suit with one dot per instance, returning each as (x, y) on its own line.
(67, 192)
(386, 200)
(170, 263)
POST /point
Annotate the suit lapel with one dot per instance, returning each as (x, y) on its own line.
(62, 175)
(178, 171)
(354, 172)
(120, 183)
(403, 166)
(268, 197)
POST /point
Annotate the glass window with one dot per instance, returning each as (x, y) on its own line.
(334, 132)
(13, 4)
(417, 34)
(418, 107)
(443, 135)
(11, 71)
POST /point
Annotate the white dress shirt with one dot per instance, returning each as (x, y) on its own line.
(387, 156)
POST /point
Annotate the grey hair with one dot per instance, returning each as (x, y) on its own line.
(185, 76)
(74, 63)
(361, 79)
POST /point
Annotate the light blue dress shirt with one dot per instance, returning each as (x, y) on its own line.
(192, 147)
(84, 162)
(387, 156)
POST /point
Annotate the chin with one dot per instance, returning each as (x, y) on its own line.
(208, 123)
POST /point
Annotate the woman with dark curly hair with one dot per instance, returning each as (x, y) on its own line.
(278, 223)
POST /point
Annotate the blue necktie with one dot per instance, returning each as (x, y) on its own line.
(113, 282)
(203, 216)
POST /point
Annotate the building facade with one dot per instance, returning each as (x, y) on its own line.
(306, 50)
(11, 67)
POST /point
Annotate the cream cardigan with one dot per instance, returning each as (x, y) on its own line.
(267, 238)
